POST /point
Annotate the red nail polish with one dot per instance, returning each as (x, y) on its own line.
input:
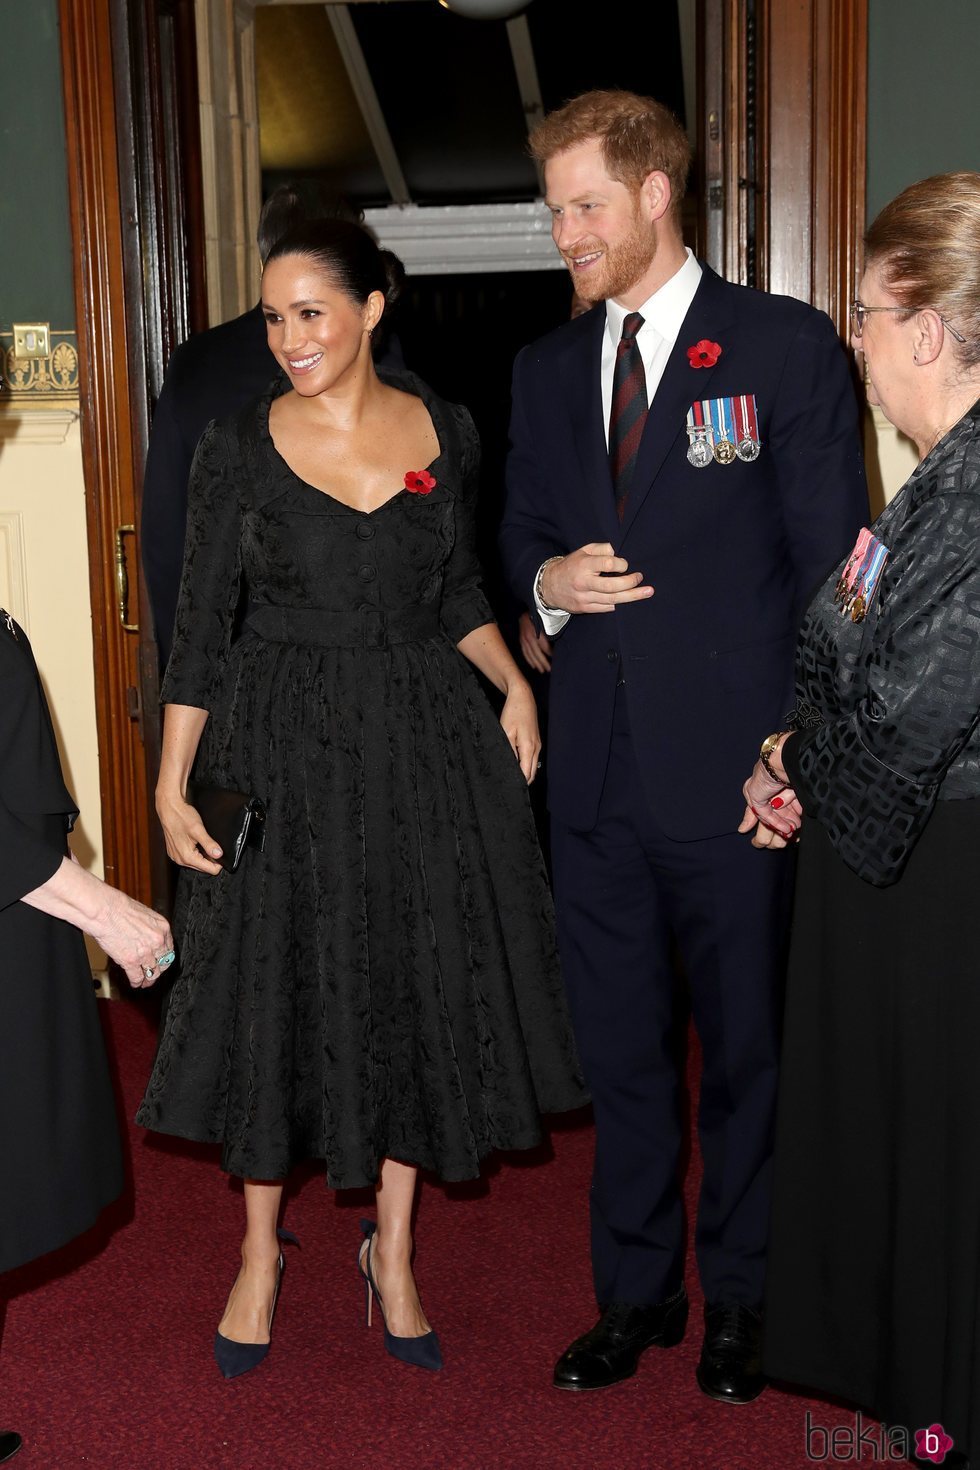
(776, 803)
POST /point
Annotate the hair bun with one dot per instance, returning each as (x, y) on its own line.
(395, 275)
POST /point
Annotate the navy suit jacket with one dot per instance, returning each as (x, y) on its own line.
(734, 551)
(209, 376)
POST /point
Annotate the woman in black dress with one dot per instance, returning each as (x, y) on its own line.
(60, 1162)
(874, 1275)
(378, 988)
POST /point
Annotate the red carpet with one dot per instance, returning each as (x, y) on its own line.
(106, 1357)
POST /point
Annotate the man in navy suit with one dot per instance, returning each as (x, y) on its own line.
(685, 468)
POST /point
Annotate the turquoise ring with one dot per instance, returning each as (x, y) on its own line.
(166, 959)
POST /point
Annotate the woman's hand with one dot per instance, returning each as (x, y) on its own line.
(519, 719)
(773, 810)
(137, 938)
(535, 646)
(488, 652)
(188, 841)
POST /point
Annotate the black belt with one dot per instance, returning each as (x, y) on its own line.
(362, 627)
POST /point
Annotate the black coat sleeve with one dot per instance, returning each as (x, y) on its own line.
(163, 518)
(26, 860)
(815, 442)
(528, 534)
(211, 578)
(872, 777)
(464, 606)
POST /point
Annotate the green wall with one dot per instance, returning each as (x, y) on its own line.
(923, 92)
(35, 236)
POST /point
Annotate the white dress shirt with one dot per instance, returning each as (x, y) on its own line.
(663, 316)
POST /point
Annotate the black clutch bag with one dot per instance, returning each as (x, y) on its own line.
(233, 818)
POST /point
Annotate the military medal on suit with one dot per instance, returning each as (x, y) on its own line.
(721, 430)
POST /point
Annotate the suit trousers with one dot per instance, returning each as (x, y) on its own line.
(628, 899)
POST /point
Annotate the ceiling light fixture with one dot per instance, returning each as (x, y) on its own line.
(485, 9)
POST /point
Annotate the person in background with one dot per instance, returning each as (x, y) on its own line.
(379, 986)
(209, 376)
(699, 441)
(874, 1287)
(60, 1159)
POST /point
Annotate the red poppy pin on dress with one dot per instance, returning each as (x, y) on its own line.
(419, 482)
(703, 353)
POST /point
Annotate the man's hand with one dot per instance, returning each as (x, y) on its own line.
(535, 646)
(591, 580)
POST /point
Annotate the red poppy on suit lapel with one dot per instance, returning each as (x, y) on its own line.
(419, 482)
(703, 353)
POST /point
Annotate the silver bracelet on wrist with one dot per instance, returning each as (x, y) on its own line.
(539, 581)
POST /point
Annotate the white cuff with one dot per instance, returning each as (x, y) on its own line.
(552, 618)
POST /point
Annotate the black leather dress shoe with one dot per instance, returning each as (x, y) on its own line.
(730, 1368)
(9, 1444)
(610, 1351)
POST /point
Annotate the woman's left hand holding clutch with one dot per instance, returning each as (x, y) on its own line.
(188, 842)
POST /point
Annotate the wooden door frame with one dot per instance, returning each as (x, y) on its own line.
(107, 422)
(782, 135)
(117, 210)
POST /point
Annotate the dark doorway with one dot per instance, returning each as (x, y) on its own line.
(461, 334)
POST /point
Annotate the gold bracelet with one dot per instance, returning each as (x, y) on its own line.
(767, 749)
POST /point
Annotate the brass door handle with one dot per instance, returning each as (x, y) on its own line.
(122, 578)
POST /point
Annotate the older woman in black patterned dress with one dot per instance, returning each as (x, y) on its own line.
(874, 1276)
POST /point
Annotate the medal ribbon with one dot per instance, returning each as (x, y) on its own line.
(751, 418)
(850, 572)
(746, 423)
(861, 575)
(872, 576)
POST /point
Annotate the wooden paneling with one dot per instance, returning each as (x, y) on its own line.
(817, 87)
(107, 443)
(783, 117)
(136, 213)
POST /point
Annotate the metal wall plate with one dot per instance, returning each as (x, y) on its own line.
(32, 339)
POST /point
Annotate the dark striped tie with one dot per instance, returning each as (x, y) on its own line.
(629, 409)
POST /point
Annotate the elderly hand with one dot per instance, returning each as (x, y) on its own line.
(591, 580)
(188, 841)
(137, 938)
(535, 646)
(773, 810)
(519, 720)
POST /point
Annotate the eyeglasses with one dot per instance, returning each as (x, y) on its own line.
(859, 311)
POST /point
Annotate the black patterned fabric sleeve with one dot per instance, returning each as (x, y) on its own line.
(209, 584)
(464, 606)
(872, 777)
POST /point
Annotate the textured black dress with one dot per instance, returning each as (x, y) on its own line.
(60, 1160)
(874, 1265)
(382, 980)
